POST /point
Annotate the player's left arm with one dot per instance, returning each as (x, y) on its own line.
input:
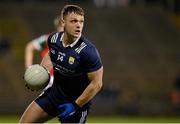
(93, 67)
(92, 89)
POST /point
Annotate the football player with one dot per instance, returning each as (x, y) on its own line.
(78, 73)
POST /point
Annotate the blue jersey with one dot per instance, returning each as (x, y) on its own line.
(71, 65)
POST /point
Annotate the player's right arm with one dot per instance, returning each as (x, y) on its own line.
(46, 62)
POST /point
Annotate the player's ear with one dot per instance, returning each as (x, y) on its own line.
(62, 22)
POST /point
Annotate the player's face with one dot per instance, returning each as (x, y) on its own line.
(74, 24)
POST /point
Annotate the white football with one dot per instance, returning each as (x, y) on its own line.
(36, 77)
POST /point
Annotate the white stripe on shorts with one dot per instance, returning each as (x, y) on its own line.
(83, 117)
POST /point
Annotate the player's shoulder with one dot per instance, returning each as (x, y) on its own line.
(88, 42)
(87, 45)
(89, 54)
(54, 36)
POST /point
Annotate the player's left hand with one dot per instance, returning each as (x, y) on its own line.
(67, 109)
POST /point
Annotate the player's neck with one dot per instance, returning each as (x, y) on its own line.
(68, 39)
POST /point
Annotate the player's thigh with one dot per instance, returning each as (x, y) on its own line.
(34, 114)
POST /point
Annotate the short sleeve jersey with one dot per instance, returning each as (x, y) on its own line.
(71, 64)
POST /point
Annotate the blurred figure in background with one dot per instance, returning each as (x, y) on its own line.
(40, 44)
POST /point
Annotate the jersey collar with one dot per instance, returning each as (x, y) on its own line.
(72, 44)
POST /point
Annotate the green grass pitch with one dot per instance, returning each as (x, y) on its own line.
(105, 119)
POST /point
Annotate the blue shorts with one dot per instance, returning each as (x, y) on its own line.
(49, 105)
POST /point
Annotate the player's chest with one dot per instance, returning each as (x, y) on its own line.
(65, 58)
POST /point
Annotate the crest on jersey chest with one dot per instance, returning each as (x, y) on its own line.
(71, 60)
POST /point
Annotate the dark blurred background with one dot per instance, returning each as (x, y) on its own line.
(138, 40)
